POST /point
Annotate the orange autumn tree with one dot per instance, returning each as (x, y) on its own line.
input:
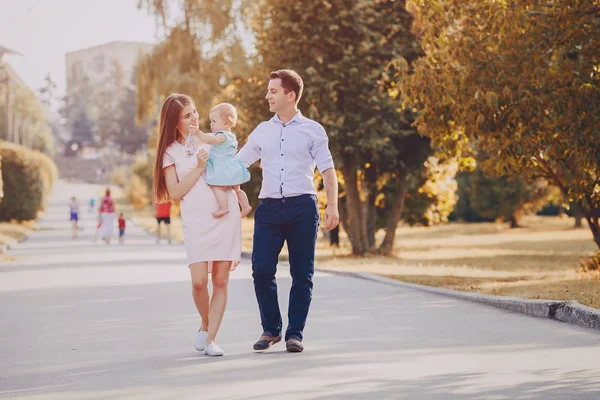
(517, 80)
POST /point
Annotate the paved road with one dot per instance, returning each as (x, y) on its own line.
(90, 321)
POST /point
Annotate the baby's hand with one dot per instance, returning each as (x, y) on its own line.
(195, 131)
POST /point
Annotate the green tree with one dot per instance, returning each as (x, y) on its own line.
(341, 49)
(82, 127)
(76, 110)
(106, 103)
(48, 91)
(199, 55)
(131, 135)
(518, 80)
(31, 127)
(507, 199)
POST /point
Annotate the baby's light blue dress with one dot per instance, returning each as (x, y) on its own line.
(223, 167)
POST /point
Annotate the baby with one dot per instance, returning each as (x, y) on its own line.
(223, 170)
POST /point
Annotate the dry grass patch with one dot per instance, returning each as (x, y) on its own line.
(538, 261)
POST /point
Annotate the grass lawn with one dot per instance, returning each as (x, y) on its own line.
(539, 261)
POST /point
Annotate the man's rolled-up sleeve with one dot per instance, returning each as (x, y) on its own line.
(320, 151)
(250, 153)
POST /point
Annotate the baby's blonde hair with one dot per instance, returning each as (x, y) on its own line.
(226, 111)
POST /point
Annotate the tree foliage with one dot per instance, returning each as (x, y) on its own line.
(518, 80)
(341, 49)
(199, 55)
(507, 199)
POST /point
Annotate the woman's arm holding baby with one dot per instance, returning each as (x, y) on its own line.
(178, 189)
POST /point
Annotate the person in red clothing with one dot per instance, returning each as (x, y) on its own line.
(121, 228)
(107, 217)
(163, 214)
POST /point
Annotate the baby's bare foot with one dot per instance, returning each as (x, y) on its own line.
(245, 211)
(220, 212)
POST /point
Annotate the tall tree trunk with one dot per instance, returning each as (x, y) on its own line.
(370, 185)
(594, 223)
(514, 221)
(355, 228)
(578, 214)
(591, 214)
(390, 235)
(371, 221)
(343, 213)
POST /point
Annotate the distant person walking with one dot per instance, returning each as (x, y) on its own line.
(163, 214)
(107, 217)
(74, 209)
(121, 228)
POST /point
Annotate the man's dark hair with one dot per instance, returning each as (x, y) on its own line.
(290, 81)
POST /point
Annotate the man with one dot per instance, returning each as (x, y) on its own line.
(163, 214)
(289, 146)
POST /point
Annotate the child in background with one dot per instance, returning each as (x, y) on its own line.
(223, 171)
(121, 228)
(74, 208)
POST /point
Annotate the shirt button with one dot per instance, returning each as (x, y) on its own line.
(282, 154)
(282, 140)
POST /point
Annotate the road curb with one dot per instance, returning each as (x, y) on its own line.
(570, 312)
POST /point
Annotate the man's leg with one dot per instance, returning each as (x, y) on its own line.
(301, 235)
(268, 241)
(157, 230)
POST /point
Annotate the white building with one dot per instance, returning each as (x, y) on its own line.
(94, 63)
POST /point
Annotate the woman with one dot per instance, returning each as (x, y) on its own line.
(107, 217)
(212, 245)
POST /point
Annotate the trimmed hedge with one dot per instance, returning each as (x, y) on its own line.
(28, 177)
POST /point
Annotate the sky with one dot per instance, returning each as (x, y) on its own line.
(44, 30)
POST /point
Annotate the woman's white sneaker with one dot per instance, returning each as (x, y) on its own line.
(213, 350)
(200, 343)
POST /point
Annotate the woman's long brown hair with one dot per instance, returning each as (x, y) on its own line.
(169, 118)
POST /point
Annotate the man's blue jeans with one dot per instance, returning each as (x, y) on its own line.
(294, 220)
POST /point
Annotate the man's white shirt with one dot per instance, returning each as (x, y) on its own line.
(289, 154)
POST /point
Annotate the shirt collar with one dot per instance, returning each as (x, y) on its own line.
(297, 118)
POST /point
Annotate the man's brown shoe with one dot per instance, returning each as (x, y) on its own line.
(294, 345)
(266, 340)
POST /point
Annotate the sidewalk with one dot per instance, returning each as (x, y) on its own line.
(91, 321)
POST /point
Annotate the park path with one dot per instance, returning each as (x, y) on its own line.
(90, 321)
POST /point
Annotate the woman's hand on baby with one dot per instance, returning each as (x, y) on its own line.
(202, 158)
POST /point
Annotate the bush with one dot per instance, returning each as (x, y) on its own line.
(137, 193)
(24, 183)
(144, 169)
(592, 263)
(49, 172)
(119, 177)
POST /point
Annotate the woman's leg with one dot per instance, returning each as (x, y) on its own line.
(221, 197)
(199, 274)
(243, 201)
(218, 301)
